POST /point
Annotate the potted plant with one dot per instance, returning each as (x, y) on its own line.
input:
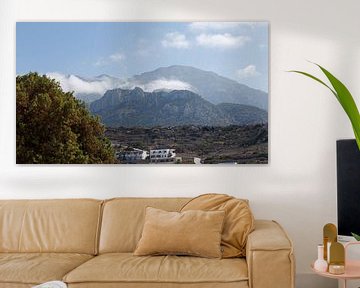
(345, 99)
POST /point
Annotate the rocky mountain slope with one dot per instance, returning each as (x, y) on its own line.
(137, 108)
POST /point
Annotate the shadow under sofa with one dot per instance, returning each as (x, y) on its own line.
(90, 243)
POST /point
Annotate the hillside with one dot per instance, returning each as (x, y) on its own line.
(213, 145)
(137, 108)
(211, 86)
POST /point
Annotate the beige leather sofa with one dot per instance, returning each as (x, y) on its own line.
(89, 243)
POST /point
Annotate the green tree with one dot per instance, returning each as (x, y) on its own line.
(53, 127)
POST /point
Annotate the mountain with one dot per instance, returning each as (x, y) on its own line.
(211, 86)
(130, 108)
(243, 114)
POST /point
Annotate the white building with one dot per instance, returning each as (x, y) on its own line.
(162, 156)
(134, 155)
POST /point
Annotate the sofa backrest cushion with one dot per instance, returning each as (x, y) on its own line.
(239, 220)
(123, 220)
(64, 226)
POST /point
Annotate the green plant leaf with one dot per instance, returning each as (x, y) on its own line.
(344, 97)
(357, 137)
(316, 79)
(347, 102)
(356, 236)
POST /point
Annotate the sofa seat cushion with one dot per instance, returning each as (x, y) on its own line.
(127, 268)
(36, 268)
(242, 284)
(15, 285)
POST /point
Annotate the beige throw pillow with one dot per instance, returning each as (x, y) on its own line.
(239, 220)
(194, 232)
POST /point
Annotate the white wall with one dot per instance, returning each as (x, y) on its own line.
(297, 188)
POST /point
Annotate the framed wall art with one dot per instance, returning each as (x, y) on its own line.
(142, 92)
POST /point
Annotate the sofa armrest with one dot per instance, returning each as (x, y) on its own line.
(269, 256)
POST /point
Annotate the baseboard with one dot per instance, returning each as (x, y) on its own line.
(310, 280)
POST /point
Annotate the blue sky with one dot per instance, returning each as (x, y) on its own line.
(237, 50)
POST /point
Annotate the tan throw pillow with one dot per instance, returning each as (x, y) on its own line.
(239, 220)
(196, 233)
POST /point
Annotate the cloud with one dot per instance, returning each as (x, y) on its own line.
(225, 40)
(247, 72)
(101, 62)
(111, 59)
(202, 26)
(218, 26)
(84, 86)
(175, 40)
(99, 85)
(166, 84)
(117, 57)
(263, 46)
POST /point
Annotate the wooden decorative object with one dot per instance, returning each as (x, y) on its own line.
(330, 236)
